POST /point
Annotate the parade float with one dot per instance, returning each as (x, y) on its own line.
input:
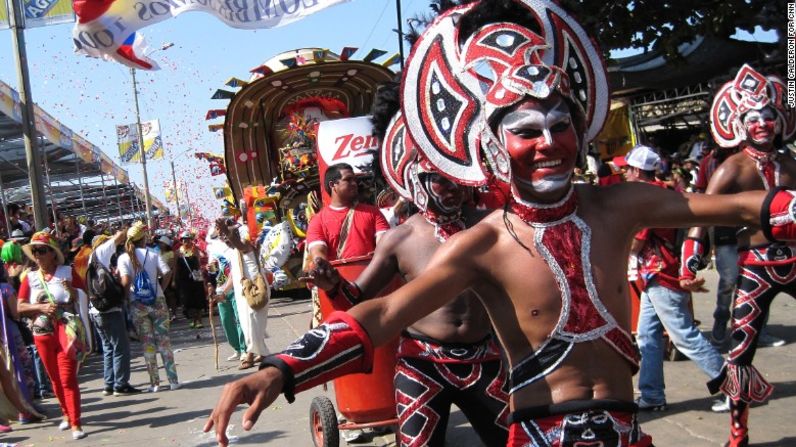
(272, 160)
(300, 112)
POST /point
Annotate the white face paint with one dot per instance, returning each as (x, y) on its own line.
(761, 126)
(543, 145)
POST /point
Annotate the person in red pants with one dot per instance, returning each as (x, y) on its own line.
(45, 295)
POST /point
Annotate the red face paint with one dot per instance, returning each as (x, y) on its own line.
(543, 145)
(444, 195)
(761, 126)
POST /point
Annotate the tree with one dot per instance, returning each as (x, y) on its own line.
(665, 24)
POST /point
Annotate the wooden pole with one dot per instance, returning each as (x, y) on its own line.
(213, 329)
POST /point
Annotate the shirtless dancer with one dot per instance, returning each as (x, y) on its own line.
(557, 253)
(748, 112)
(448, 356)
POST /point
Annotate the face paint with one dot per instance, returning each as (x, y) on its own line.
(591, 429)
(543, 145)
(761, 126)
(444, 195)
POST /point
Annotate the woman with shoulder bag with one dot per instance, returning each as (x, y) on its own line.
(138, 268)
(46, 294)
(252, 291)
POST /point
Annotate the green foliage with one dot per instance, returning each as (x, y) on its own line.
(664, 24)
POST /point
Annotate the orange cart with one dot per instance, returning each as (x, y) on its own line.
(365, 400)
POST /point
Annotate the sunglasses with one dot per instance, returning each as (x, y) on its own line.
(40, 250)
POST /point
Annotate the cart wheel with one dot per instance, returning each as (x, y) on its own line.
(323, 423)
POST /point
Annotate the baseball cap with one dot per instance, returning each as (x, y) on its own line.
(644, 158)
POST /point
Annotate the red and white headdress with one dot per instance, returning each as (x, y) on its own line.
(450, 99)
(750, 90)
(402, 165)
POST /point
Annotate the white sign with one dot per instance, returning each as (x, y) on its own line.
(348, 140)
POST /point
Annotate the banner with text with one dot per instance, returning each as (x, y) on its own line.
(40, 13)
(127, 137)
(106, 29)
(348, 140)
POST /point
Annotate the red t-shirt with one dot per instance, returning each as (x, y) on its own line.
(366, 223)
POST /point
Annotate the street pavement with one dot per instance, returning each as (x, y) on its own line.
(175, 418)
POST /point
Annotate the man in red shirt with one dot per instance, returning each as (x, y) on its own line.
(344, 228)
(664, 304)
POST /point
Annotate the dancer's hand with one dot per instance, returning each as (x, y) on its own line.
(694, 285)
(258, 390)
(323, 275)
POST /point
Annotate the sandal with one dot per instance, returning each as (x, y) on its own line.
(247, 361)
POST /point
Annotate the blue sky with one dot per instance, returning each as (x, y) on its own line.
(92, 96)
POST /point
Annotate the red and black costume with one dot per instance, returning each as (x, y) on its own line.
(449, 117)
(430, 374)
(765, 270)
(564, 240)
(451, 110)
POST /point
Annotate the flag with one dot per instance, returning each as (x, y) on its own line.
(215, 113)
(235, 82)
(394, 59)
(261, 70)
(168, 192)
(215, 127)
(127, 138)
(132, 53)
(319, 55)
(347, 53)
(41, 13)
(104, 25)
(216, 162)
(223, 94)
(223, 192)
(289, 63)
(374, 54)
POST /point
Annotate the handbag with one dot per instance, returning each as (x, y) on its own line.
(255, 290)
(77, 344)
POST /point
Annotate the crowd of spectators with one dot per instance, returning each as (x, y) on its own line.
(57, 310)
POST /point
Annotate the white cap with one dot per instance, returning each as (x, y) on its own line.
(644, 158)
